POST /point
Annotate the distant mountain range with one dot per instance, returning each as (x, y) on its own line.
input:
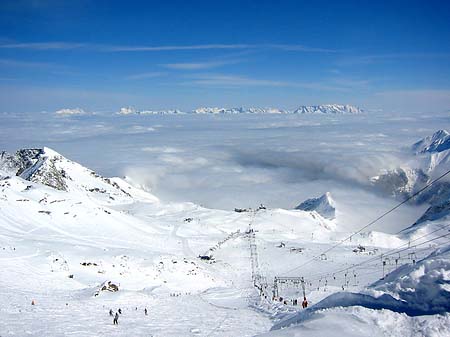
(313, 109)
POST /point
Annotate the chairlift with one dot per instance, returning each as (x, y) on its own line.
(413, 257)
(384, 264)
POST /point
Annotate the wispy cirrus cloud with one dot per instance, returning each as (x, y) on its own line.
(28, 64)
(61, 45)
(297, 47)
(172, 48)
(146, 75)
(45, 45)
(377, 58)
(199, 65)
(233, 81)
(237, 81)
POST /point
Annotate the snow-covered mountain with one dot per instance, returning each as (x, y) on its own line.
(47, 167)
(70, 238)
(239, 110)
(431, 158)
(74, 245)
(435, 212)
(438, 142)
(315, 109)
(400, 182)
(329, 109)
(324, 205)
(127, 111)
(69, 112)
(133, 111)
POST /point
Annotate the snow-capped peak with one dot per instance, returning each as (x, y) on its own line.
(48, 167)
(324, 205)
(238, 110)
(314, 109)
(438, 142)
(50, 153)
(329, 109)
(68, 112)
(126, 111)
(133, 111)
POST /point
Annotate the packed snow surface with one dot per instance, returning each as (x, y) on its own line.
(415, 290)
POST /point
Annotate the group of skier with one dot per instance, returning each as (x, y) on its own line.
(119, 312)
(294, 301)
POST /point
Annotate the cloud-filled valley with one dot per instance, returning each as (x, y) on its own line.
(231, 161)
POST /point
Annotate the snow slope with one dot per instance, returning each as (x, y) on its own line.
(414, 290)
(65, 232)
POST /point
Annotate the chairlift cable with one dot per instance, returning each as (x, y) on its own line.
(370, 223)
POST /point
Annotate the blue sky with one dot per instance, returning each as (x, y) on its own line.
(101, 55)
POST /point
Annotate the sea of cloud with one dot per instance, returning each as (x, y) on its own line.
(228, 161)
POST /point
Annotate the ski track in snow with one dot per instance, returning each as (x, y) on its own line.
(187, 251)
(167, 316)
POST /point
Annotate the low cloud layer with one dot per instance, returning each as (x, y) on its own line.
(236, 161)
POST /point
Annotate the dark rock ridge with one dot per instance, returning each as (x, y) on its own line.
(48, 167)
(36, 166)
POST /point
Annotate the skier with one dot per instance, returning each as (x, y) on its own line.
(116, 319)
(120, 311)
(304, 303)
(145, 311)
(111, 313)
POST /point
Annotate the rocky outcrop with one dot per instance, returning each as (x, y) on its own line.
(107, 286)
(35, 165)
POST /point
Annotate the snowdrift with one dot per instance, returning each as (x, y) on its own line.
(415, 290)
